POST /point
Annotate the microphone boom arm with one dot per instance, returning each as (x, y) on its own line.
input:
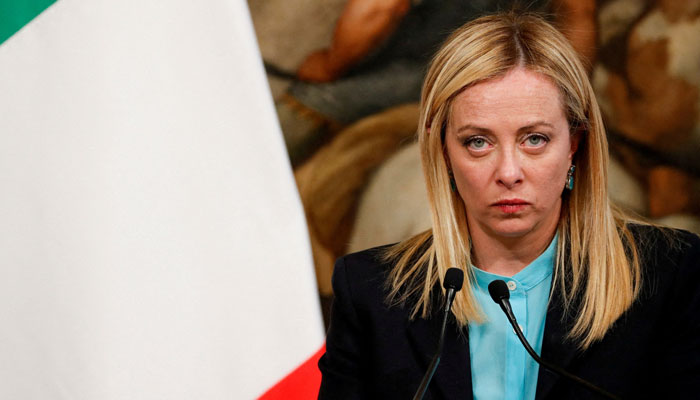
(436, 358)
(454, 278)
(502, 300)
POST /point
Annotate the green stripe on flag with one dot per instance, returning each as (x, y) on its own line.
(14, 14)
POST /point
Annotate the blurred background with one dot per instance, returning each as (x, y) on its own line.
(346, 76)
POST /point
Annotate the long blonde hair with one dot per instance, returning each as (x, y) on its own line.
(597, 260)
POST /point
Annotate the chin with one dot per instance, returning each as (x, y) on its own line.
(512, 228)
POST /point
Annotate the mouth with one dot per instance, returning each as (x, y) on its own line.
(510, 206)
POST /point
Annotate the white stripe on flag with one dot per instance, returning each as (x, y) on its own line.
(152, 243)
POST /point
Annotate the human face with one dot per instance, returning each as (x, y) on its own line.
(509, 146)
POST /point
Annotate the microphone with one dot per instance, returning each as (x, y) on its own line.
(500, 294)
(454, 278)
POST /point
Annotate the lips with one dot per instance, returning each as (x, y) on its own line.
(510, 206)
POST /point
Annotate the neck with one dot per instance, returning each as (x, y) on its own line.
(508, 255)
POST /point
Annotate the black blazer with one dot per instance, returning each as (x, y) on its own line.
(652, 351)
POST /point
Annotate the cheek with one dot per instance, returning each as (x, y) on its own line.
(549, 179)
(466, 176)
(472, 180)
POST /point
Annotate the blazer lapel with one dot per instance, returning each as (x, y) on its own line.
(555, 347)
(453, 375)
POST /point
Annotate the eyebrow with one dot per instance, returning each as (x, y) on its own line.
(486, 130)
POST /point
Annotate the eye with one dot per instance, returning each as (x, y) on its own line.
(476, 143)
(536, 140)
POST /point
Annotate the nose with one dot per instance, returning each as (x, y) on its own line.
(509, 171)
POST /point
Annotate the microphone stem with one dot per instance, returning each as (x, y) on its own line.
(505, 305)
(436, 358)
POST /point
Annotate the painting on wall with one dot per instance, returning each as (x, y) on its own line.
(346, 79)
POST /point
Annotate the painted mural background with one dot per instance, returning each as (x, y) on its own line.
(349, 126)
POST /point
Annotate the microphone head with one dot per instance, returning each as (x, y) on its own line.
(499, 291)
(454, 278)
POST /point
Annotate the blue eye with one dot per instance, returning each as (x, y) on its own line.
(477, 143)
(536, 140)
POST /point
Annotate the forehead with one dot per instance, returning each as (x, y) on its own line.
(519, 96)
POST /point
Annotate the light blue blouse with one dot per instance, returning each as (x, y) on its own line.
(501, 368)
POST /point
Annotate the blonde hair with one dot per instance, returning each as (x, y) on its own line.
(597, 264)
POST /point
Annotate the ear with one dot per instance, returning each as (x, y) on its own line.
(575, 137)
(446, 157)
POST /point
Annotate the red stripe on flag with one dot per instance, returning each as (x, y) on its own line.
(302, 383)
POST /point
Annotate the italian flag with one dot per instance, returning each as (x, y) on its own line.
(152, 242)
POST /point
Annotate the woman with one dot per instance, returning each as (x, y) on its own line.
(515, 159)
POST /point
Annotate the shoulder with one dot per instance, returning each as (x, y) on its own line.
(669, 304)
(653, 233)
(371, 261)
(362, 275)
(670, 262)
(672, 247)
(368, 349)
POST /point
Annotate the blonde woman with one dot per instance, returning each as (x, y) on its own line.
(515, 161)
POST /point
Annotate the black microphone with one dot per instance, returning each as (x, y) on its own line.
(500, 294)
(454, 278)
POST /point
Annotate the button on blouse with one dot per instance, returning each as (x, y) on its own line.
(501, 368)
